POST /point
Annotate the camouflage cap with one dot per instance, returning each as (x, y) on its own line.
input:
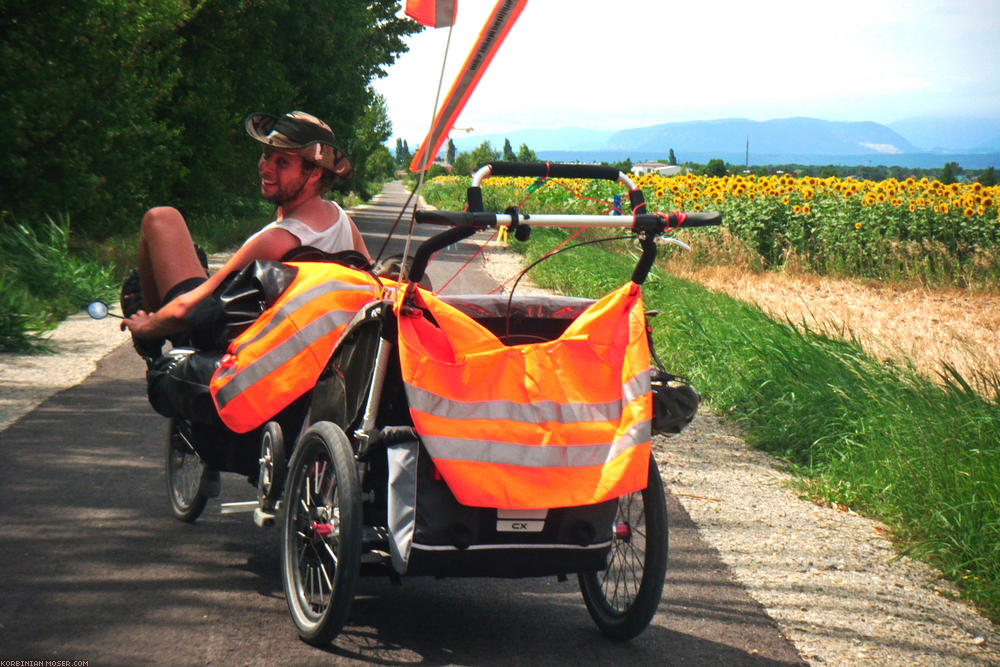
(303, 134)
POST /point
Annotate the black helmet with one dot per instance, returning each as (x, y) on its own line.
(674, 402)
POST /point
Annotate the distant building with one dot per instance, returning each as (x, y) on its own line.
(660, 168)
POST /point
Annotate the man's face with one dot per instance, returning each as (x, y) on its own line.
(283, 175)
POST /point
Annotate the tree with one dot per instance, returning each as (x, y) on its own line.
(82, 90)
(449, 155)
(435, 171)
(715, 167)
(373, 164)
(525, 154)
(127, 103)
(463, 164)
(949, 173)
(625, 166)
(379, 167)
(297, 62)
(672, 159)
(989, 177)
(508, 151)
(402, 156)
(483, 154)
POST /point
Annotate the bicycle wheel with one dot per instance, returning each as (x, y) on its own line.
(273, 466)
(190, 483)
(321, 550)
(623, 598)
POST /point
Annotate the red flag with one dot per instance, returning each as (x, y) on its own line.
(432, 13)
(492, 35)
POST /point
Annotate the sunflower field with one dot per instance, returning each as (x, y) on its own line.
(911, 230)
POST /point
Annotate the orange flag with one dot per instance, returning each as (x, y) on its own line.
(432, 13)
(490, 38)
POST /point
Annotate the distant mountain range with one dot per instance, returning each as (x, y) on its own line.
(950, 135)
(915, 142)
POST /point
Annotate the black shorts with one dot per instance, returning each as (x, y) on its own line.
(181, 338)
(183, 286)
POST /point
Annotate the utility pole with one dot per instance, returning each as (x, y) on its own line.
(746, 163)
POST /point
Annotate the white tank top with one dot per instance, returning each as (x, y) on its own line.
(334, 238)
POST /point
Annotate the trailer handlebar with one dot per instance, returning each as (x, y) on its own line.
(466, 223)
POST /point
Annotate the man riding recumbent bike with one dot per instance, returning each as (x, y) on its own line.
(393, 431)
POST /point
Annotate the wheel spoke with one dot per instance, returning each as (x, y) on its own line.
(622, 579)
(322, 568)
(331, 553)
(311, 589)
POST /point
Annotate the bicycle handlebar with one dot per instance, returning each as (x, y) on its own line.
(466, 223)
(554, 170)
(694, 218)
(642, 221)
(543, 170)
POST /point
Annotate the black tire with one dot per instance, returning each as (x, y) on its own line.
(321, 537)
(620, 600)
(189, 481)
(273, 466)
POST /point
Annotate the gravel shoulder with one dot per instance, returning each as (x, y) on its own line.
(78, 343)
(829, 578)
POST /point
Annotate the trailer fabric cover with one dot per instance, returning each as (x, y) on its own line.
(560, 423)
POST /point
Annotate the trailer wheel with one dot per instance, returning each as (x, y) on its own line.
(623, 598)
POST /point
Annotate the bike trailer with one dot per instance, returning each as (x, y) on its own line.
(519, 451)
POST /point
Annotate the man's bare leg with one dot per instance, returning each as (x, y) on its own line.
(166, 255)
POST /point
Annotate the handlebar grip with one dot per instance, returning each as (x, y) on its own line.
(554, 170)
(481, 219)
(439, 241)
(702, 219)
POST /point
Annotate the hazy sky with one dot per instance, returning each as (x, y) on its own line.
(632, 63)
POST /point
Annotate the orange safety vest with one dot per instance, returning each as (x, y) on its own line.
(554, 424)
(281, 355)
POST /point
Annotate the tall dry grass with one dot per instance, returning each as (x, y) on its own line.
(935, 329)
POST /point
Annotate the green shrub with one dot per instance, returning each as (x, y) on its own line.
(43, 281)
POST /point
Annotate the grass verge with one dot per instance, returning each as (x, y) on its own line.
(47, 274)
(42, 281)
(880, 438)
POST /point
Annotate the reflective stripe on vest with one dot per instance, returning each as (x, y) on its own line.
(281, 355)
(553, 424)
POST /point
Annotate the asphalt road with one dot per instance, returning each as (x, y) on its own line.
(93, 566)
